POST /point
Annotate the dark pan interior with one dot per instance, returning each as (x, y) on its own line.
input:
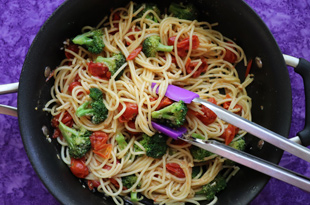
(270, 91)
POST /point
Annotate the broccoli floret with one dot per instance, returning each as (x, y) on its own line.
(152, 44)
(92, 40)
(134, 197)
(239, 145)
(172, 115)
(215, 186)
(198, 136)
(155, 146)
(95, 108)
(195, 171)
(148, 6)
(120, 139)
(200, 154)
(129, 181)
(113, 63)
(78, 140)
(181, 11)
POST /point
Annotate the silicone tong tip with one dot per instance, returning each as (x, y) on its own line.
(173, 133)
(176, 93)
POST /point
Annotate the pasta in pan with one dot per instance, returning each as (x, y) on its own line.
(195, 57)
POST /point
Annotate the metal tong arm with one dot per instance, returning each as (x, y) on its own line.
(253, 162)
(257, 130)
(5, 89)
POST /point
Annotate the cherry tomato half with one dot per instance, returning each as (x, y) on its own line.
(98, 140)
(78, 168)
(130, 113)
(175, 169)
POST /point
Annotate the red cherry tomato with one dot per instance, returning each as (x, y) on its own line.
(226, 105)
(72, 47)
(66, 119)
(132, 125)
(99, 70)
(164, 103)
(134, 53)
(190, 66)
(98, 140)
(175, 169)
(208, 116)
(229, 134)
(130, 113)
(114, 182)
(78, 168)
(73, 85)
(171, 41)
(132, 37)
(105, 151)
(230, 56)
(184, 44)
(93, 184)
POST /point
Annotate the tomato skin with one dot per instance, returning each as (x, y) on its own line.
(163, 103)
(190, 66)
(93, 184)
(98, 140)
(114, 182)
(99, 70)
(171, 40)
(226, 105)
(230, 56)
(132, 37)
(73, 85)
(66, 119)
(248, 68)
(175, 169)
(105, 151)
(131, 124)
(229, 134)
(184, 44)
(78, 168)
(130, 113)
(72, 47)
(134, 53)
(209, 116)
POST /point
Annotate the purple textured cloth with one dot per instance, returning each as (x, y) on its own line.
(20, 20)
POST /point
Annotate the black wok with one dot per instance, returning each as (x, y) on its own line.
(270, 90)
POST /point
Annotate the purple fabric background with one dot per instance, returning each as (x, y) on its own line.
(20, 20)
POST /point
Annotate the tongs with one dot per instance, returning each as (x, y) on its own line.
(176, 93)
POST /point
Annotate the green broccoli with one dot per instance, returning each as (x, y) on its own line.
(182, 11)
(129, 181)
(155, 146)
(92, 40)
(198, 136)
(152, 44)
(78, 140)
(148, 6)
(134, 197)
(239, 145)
(215, 186)
(120, 139)
(195, 171)
(95, 108)
(172, 115)
(199, 153)
(113, 63)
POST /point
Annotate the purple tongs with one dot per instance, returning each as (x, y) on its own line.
(176, 93)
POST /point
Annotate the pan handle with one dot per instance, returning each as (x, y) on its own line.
(302, 67)
(5, 89)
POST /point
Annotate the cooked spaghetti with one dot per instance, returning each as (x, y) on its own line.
(205, 64)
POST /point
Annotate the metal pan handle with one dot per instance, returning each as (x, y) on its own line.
(302, 67)
(5, 89)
